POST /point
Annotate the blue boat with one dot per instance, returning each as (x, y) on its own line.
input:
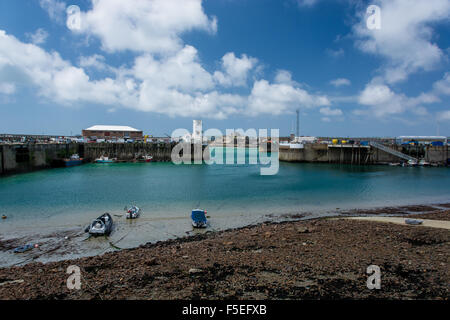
(74, 160)
(198, 217)
(24, 248)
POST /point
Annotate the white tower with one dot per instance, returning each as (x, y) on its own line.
(197, 131)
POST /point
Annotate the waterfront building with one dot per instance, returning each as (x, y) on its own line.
(112, 133)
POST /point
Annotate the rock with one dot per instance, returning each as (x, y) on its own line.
(151, 262)
(195, 271)
(303, 230)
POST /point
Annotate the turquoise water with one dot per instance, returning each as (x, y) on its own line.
(234, 195)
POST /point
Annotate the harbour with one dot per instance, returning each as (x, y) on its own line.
(62, 200)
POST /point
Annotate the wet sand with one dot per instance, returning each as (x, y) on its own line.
(315, 259)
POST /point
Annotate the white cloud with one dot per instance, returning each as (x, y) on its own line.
(181, 71)
(382, 101)
(55, 78)
(279, 98)
(55, 9)
(340, 82)
(405, 37)
(144, 25)
(285, 77)
(443, 86)
(39, 37)
(235, 70)
(95, 61)
(7, 88)
(327, 111)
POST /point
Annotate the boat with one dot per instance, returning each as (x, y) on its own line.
(424, 163)
(74, 160)
(101, 226)
(395, 164)
(146, 158)
(410, 163)
(104, 159)
(198, 217)
(133, 212)
(24, 248)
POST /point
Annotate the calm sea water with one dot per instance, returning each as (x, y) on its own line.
(234, 195)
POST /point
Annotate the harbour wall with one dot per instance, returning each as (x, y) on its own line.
(18, 158)
(21, 158)
(356, 154)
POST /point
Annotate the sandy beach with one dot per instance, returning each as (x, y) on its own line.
(316, 259)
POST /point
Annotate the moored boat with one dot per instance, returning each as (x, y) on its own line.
(74, 160)
(133, 212)
(104, 159)
(198, 217)
(146, 158)
(100, 226)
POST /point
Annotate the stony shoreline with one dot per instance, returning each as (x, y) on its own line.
(314, 259)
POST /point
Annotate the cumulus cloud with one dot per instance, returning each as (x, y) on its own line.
(56, 78)
(340, 82)
(39, 37)
(405, 38)
(279, 98)
(234, 70)
(152, 26)
(327, 111)
(166, 75)
(382, 101)
(182, 71)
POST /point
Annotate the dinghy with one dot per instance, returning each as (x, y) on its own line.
(24, 248)
(133, 212)
(101, 226)
(198, 217)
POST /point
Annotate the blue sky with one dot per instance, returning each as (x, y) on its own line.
(156, 65)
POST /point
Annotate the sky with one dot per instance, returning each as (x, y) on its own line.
(158, 64)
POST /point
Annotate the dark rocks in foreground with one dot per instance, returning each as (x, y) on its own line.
(318, 259)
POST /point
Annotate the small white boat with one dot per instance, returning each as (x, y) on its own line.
(423, 163)
(133, 212)
(146, 158)
(104, 159)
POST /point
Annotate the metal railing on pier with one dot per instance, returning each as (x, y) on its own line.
(392, 151)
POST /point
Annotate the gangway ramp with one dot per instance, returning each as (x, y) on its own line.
(392, 151)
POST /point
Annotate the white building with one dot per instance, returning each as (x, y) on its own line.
(197, 131)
